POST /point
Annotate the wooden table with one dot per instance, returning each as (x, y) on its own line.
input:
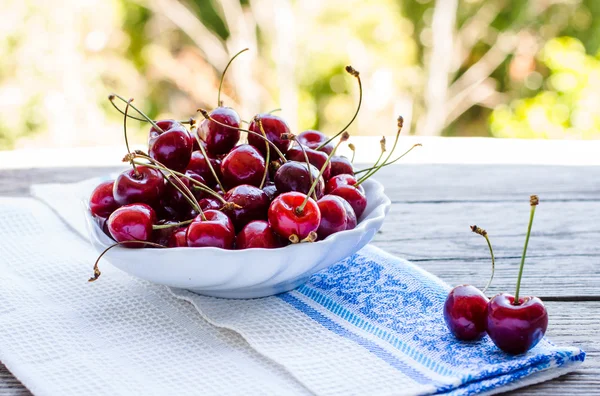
(433, 206)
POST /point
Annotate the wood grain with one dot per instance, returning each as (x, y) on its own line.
(433, 206)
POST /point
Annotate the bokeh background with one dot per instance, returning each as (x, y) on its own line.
(498, 68)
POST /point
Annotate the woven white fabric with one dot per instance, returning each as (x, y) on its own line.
(369, 325)
(61, 335)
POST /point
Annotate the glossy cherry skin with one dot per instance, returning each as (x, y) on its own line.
(271, 190)
(294, 176)
(216, 231)
(210, 203)
(174, 198)
(465, 312)
(199, 165)
(145, 187)
(253, 201)
(132, 222)
(243, 165)
(351, 220)
(333, 216)
(274, 127)
(173, 148)
(516, 328)
(345, 187)
(316, 158)
(341, 165)
(102, 201)
(286, 221)
(220, 139)
(313, 139)
(258, 234)
(178, 238)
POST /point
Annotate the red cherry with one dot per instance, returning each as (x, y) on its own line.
(351, 220)
(313, 139)
(341, 165)
(316, 158)
(271, 190)
(243, 165)
(178, 238)
(144, 187)
(210, 203)
(345, 187)
(253, 203)
(294, 176)
(465, 312)
(216, 231)
(258, 234)
(220, 139)
(173, 148)
(333, 216)
(286, 219)
(516, 328)
(102, 201)
(274, 127)
(132, 222)
(199, 166)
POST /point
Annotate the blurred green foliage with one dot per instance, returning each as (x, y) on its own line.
(543, 80)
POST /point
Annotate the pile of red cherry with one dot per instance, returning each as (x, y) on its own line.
(199, 187)
(515, 324)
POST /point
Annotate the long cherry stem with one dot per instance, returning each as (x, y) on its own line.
(377, 167)
(165, 226)
(219, 102)
(355, 74)
(207, 159)
(97, 272)
(151, 121)
(351, 147)
(300, 208)
(125, 133)
(484, 234)
(533, 201)
(390, 162)
(273, 146)
(111, 98)
(268, 156)
(310, 177)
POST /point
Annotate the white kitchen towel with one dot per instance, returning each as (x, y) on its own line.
(371, 324)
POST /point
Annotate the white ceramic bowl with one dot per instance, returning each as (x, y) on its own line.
(246, 273)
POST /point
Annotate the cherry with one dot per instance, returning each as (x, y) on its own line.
(220, 139)
(313, 139)
(132, 222)
(294, 176)
(347, 187)
(516, 324)
(289, 219)
(178, 238)
(209, 203)
(171, 144)
(516, 328)
(351, 220)
(214, 229)
(163, 234)
(258, 234)
(199, 165)
(341, 165)
(274, 127)
(102, 202)
(140, 185)
(252, 204)
(271, 190)
(316, 158)
(465, 312)
(175, 204)
(243, 165)
(333, 216)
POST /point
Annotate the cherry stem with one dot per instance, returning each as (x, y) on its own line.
(219, 103)
(484, 234)
(275, 110)
(533, 201)
(390, 162)
(165, 226)
(97, 272)
(125, 133)
(376, 167)
(356, 74)
(268, 156)
(154, 124)
(273, 146)
(310, 178)
(351, 147)
(207, 159)
(111, 98)
(300, 208)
